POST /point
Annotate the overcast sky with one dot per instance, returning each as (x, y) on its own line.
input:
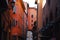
(31, 3)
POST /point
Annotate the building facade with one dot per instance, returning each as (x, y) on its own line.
(17, 20)
(13, 20)
(32, 17)
(50, 19)
(50, 14)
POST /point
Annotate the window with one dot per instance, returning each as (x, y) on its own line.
(14, 22)
(31, 16)
(13, 3)
(14, 0)
(14, 9)
(32, 25)
(31, 20)
(27, 5)
(13, 6)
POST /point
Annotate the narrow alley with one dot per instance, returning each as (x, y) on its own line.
(30, 19)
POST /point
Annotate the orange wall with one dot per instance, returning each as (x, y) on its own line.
(8, 16)
(17, 30)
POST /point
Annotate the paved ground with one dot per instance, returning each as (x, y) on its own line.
(29, 35)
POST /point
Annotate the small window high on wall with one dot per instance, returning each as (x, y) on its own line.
(13, 6)
(14, 9)
(31, 16)
(14, 22)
